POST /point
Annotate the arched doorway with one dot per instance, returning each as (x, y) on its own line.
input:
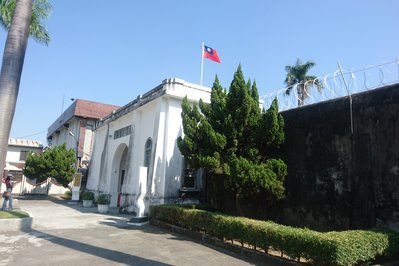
(118, 176)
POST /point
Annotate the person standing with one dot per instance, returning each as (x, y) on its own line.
(9, 187)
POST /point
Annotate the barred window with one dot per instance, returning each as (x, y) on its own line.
(147, 152)
(122, 132)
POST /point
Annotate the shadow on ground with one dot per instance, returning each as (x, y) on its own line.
(112, 255)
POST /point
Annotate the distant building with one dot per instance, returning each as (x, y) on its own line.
(75, 127)
(135, 155)
(17, 152)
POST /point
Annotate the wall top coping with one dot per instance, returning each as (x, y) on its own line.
(25, 143)
(172, 87)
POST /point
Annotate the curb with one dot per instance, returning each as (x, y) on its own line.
(16, 224)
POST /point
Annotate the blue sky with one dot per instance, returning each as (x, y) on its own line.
(111, 51)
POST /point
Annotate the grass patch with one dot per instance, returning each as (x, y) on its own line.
(13, 214)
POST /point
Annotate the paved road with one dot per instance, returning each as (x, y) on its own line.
(64, 234)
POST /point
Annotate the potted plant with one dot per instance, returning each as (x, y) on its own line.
(103, 202)
(87, 198)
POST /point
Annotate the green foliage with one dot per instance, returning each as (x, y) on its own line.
(201, 144)
(57, 162)
(87, 195)
(273, 124)
(249, 179)
(330, 248)
(104, 199)
(67, 195)
(40, 11)
(37, 166)
(232, 136)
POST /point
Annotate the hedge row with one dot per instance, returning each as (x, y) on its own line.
(331, 248)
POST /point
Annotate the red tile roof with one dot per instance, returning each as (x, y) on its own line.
(84, 109)
(88, 109)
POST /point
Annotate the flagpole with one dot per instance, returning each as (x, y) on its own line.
(202, 62)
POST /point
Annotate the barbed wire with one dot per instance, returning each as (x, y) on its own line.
(332, 86)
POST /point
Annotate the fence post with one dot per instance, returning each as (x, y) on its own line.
(350, 96)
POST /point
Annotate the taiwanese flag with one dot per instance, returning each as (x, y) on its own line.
(211, 54)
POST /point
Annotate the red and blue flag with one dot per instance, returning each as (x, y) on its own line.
(211, 54)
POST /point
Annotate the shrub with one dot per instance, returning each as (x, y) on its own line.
(330, 248)
(104, 199)
(87, 195)
(67, 195)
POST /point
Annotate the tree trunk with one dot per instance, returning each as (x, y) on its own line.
(11, 69)
(239, 210)
(300, 94)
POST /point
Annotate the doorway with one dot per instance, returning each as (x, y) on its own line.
(119, 170)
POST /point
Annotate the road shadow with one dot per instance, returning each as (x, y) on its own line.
(111, 255)
(156, 230)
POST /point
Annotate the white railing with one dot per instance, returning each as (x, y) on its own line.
(333, 85)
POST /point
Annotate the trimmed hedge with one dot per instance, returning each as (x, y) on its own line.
(331, 248)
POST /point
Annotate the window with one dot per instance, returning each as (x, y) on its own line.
(22, 155)
(147, 152)
(189, 177)
(122, 132)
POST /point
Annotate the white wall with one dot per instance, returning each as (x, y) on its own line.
(102, 155)
(64, 137)
(71, 143)
(13, 153)
(88, 144)
(95, 165)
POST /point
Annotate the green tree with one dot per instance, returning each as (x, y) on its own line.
(297, 76)
(57, 162)
(21, 18)
(231, 136)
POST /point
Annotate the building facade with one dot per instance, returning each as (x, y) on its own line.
(135, 155)
(75, 128)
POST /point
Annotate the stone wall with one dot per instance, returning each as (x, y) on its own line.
(338, 179)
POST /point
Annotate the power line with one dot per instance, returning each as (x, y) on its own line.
(34, 134)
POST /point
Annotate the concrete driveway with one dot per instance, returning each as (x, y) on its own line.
(65, 234)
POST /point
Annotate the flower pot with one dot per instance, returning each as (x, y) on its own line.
(87, 203)
(102, 208)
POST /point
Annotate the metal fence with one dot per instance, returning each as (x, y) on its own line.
(338, 84)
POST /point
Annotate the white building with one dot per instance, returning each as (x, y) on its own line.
(135, 155)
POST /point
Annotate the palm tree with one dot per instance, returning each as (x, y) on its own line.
(297, 76)
(21, 18)
(41, 10)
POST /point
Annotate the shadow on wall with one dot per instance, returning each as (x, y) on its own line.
(168, 177)
(31, 187)
(47, 187)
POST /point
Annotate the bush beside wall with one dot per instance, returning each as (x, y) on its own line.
(331, 248)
